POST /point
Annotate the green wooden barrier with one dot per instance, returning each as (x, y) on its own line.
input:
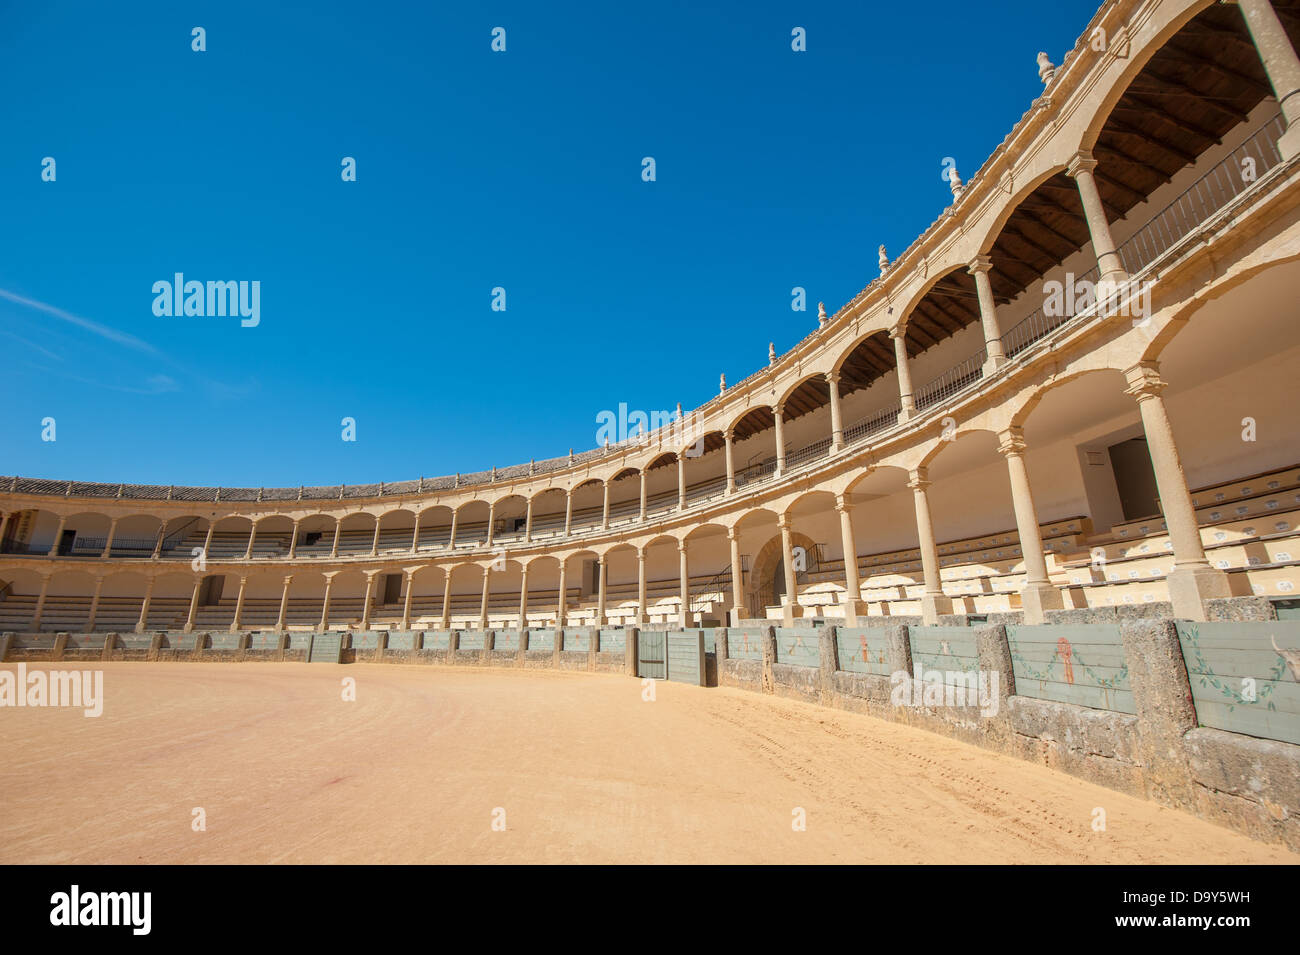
(1082, 664)
(651, 651)
(264, 640)
(613, 640)
(133, 641)
(745, 643)
(685, 651)
(437, 639)
(944, 649)
(798, 646)
(473, 639)
(576, 639)
(541, 639)
(224, 640)
(401, 639)
(1222, 661)
(864, 650)
(326, 647)
(365, 640)
(507, 641)
(300, 640)
(85, 641)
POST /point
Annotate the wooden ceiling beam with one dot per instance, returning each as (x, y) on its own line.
(1149, 111)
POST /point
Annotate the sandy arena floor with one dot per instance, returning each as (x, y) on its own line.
(586, 772)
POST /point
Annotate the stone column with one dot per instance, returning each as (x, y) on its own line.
(207, 540)
(684, 571)
(995, 356)
(157, 544)
(58, 536)
(1038, 594)
(681, 481)
(194, 606)
(1103, 246)
(293, 541)
(642, 610)
(455, 519)
(492, 521)
(600, 596)
(108, 542)
(338, 529)
(1193, 580)
(325, 604)
(239, 604)
(444, 622)
(252, 536)
(854, 605)
(729, 437)
(483, 605)
(933, 602)
(40, 602)
(737, 578)
(778, 415)
(562, 605)
(144, 606)
(415, 534)
(837, 426)
(528, 522)
(374, 541)
(604, 511)
(365, 603)
(907, 402)
(94, 605)
(406, 601)
(568, 512)
(8, 519)
(1281, 66)
(284, 604)
(523, 598)
(791, 610)
(643, 494)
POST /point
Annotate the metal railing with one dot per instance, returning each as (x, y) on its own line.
(813, 452)
(952, 382)
(873, 423)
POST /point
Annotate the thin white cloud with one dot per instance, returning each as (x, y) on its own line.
(103, 331)
(30, 344)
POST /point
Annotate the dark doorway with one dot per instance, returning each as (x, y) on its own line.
(1134, 479)
(66, 541)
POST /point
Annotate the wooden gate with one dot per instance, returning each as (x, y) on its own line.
(652, 655)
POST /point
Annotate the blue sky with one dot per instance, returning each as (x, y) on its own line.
(475, 170)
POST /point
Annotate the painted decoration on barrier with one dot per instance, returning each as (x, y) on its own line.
(365, 640)
(1244, 676)
(506, 641)
(264, 640)
(863, 650)
(613, 641)
(745, 643)
(798, 646)
(1082, 664)
(944, 650)
(401, 639)
(437, 639)
(576, 639)
(541, 640)
(473, 639)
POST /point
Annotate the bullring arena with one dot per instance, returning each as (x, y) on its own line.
(1048, 457)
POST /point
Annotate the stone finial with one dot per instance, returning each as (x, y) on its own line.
(1046, 69)
(722, 383)
(822, 318)
(954, 181)
(883, 258)
(679, 411)
(771, 353)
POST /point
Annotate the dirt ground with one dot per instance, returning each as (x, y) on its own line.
(416, 769)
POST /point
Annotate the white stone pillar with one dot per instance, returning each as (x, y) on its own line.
(406, 601)
(729, 437)
(144, 606)
(778, 417)
(374, 541)
(483, 605)
(642, 608)
(523, 597)
(604, 513)
(415, 534)
(252, 536)
(601, 574)
(837, 426)
(643, 494)
(562, 604)
(1281, 66)
(94, 605)
(207, 540)
(933, 601)
(58, 536)
(906, 401)
(681, 481)
(40, 602)
(284, 605)
(365, 603)
(1193, 580)
(853, 604)
(325, 604)
(338, 529)
(1038, 594)
(239, 604)
(737, 578)
(995, 356)
(293, 541)
(1103, 246)
(451, 540)
(684, 571)
(157, 544)
(492, 520)
(194, 605)
(790, 609)
(108, 541)
(568, 512)
(444, 622)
